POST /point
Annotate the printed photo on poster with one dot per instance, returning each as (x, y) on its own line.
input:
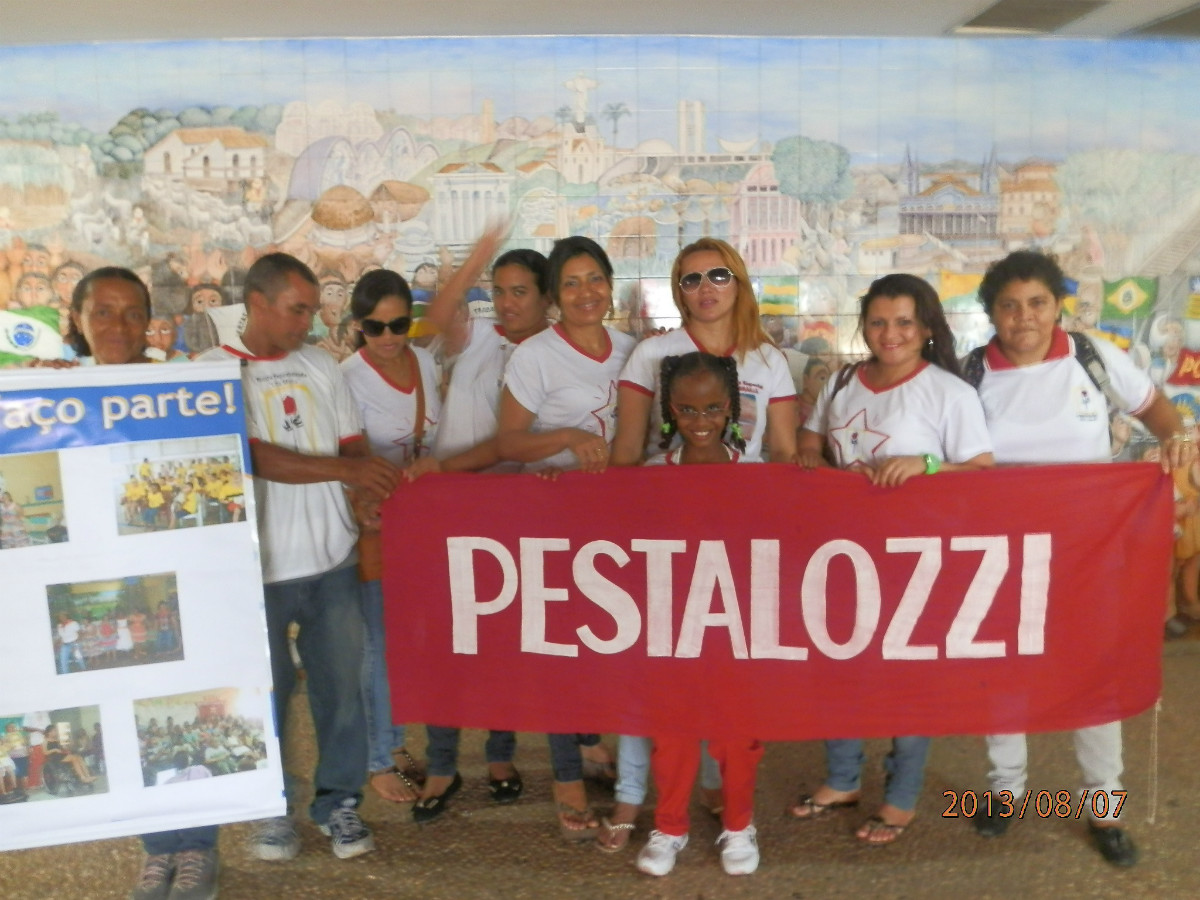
(127, 621)
(51, 754)
(181, 483)
(31, 501)
(202, 734)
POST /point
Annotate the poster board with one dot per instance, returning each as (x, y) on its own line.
(133, 657)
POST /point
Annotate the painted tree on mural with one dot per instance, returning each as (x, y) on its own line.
(1119, 193)
(614, 112)
(817, 173)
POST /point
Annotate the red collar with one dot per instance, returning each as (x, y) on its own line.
(1060, 348)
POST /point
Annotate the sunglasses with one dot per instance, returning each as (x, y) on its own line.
(718, 277)
(374, 328)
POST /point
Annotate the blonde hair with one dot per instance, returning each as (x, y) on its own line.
(748, 333)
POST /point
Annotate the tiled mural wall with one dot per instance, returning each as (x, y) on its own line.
(826, 162)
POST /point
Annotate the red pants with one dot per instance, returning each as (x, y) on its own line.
(675, 762)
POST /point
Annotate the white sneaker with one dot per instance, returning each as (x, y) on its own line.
(739, 851)
(275, 839)
(658, 856)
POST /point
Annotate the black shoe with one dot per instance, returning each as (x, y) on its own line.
(989, 823)
(506, 790)
(1114, 845)
(425, 811)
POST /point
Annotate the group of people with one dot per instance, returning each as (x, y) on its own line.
(118, 636)
(183, 493)
(220, 745)
(546, 385)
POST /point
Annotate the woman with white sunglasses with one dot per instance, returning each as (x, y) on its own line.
(712, 291)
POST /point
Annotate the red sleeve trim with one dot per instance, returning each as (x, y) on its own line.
(350, 439)
(781, 399)
(633, 385)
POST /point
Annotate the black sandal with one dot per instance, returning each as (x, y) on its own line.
(425, 811)
(506, 790)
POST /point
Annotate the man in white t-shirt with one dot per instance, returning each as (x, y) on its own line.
(68, 644)
(308, 451)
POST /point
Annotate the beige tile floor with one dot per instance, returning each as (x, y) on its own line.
(478, 850)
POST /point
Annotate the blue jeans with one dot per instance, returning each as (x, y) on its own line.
(633, 769)
(905, 768)
(67, 654)
(328, 609)
(168, 842)
(442, 750)
(383, 734)
(565, 759)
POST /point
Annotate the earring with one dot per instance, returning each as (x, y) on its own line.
(665, 427)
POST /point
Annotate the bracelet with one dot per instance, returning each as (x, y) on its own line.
(932, 464)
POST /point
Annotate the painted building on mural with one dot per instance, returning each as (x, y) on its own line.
(820, 190)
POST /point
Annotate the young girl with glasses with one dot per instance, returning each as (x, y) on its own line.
(712, 292)
(700, 404)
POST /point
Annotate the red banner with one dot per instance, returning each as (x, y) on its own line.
(769, 601)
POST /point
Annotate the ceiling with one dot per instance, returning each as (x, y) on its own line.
(22, 22)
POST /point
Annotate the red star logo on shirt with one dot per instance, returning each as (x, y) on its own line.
(603, 413)
(855, 440)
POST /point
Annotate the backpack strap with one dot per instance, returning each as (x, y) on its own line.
(972, 367)
(845, 373)
(1089, 357)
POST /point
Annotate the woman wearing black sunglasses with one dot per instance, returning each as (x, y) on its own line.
(712, 291)
(396, 388)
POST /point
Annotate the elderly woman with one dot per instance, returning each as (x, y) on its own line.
(925, 419)
(1039, 401)
(110, 311)
(558, 409)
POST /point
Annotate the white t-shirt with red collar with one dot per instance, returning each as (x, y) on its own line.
(763, 379)
(931, 411)
(300, 402)
(672, 457)
(388, 411)
(1051, 412)
(566, 387)
(471, 411)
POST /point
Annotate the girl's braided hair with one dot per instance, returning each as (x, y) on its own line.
(724, 368)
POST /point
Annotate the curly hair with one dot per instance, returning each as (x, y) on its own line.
(1021, 265)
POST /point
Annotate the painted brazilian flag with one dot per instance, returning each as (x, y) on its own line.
(1129, 298)
(778, 296)
(26, 333)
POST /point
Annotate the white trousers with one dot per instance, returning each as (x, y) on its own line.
(1097, 749)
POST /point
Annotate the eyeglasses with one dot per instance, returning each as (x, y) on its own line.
(712, 411)
(718, 277)
(374, 328)
(163, 329)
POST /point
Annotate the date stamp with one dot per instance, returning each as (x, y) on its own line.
(1044, 804)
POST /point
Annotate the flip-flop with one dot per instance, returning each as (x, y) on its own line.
(814, 810)
(399, 776)
(875, 826)
(581, 816)
(621, 830)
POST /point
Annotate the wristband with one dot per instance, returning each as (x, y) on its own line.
(932, 464)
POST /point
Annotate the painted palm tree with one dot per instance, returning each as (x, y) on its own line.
(614, 112)
(563, 115)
